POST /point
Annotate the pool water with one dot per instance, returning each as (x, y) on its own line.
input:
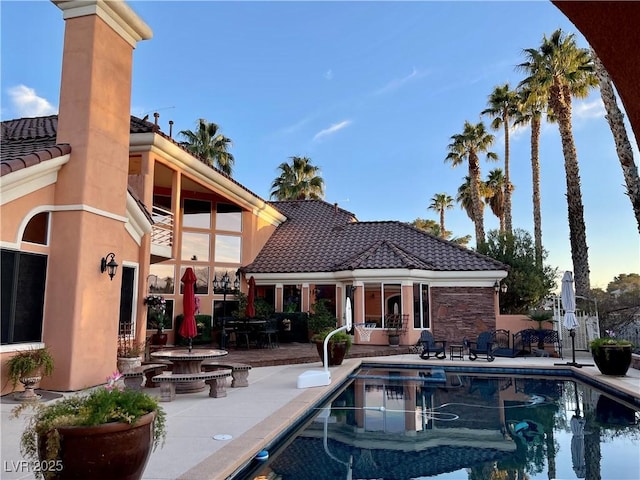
(409, 423)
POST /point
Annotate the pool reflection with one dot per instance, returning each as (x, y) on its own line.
(404, 424)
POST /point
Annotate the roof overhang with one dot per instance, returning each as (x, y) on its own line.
(137, 222)
(27, 180)
(154, 143)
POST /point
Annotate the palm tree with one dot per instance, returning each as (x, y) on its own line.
(466, 146)
(207, 143)
(563, 70)
(298, 180)
(623, 146)
(533, 102)
(503, 106)
(441, 202)
(494, 195)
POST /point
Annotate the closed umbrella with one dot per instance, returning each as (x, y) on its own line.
(577, 446)
(251, 299)
(569, 304)
(188, 328)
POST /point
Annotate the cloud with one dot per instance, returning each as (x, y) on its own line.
(589, 109)
(328, 74)
(27, 104)
(397, 83)
(332, 129)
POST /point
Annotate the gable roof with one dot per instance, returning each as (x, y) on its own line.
(29, 141)
(319, 237)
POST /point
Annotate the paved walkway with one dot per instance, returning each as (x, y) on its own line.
(250, 417)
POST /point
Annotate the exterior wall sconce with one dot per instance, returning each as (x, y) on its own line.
(111, 266)
(500, 288)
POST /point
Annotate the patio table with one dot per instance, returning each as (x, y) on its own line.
(185, 361)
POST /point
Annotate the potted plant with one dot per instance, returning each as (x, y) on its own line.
(337, 347)
(129, 352)
(157, 318)
(394, 325)
(106, 434)
(321, 318)
(28, 367)
(611, 355)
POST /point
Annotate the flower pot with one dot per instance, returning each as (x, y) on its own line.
(394, 340)
(336, 351)
(159, 339)
(612, 359)
(128, 364)
(29, 383)
(102, 452)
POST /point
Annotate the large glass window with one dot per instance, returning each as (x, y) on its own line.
(23, 279)
(161, 278)
(201, 286)
(195, 247)
(291, 298)
(381, 300)
(197, 214)
(327, 293)
(421, 306)
(228, 249)
(228, 217)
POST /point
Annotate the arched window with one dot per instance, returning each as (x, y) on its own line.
(37, 230)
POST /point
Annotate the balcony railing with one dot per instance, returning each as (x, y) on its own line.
(162, 232)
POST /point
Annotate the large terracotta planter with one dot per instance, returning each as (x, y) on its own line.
(102, 452)
(128, 364)
(612, 359)
(336, 350)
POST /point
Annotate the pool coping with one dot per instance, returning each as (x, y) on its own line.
(238, 453)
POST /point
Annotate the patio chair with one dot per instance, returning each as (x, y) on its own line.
(431, 347)
(482, 346)
(269, 334)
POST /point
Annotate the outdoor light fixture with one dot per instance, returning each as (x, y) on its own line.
(498, 287)
(111, 266)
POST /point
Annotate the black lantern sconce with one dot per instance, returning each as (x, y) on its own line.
(109, 266)
(500, 287)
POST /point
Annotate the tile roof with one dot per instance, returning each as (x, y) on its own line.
(319, 237)
(29, 141)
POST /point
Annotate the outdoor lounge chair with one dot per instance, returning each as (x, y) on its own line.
(431, 347)
(482, 346)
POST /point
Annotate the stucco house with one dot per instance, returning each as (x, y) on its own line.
(94, 181)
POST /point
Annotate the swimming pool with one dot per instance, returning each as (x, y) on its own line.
(403, 423)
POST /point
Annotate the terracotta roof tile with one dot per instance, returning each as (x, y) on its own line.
(318, 237)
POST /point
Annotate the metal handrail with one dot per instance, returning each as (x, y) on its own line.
(162, 230)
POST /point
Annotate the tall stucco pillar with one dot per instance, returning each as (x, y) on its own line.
(82, 304)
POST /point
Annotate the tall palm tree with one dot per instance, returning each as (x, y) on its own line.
(503, 106)
(439, 203)
(298, 180)
(494, 195)
(207, 143)
(563, 70)
(533, 103)
(466, 146)
(623, 145)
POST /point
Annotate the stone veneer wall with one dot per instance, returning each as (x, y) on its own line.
(459, 312)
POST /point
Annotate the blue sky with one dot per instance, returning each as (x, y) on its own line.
(370, 91)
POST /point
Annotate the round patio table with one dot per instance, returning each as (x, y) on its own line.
(185, 361)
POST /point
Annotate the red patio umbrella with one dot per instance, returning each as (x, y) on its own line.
(188, 328)
(251, 298)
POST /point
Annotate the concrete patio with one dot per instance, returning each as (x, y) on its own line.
(251, 417)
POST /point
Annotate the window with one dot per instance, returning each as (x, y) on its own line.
(201, 286)
(421, 306)
(291, 298)
(327, 293)
(228, 217)
(228, 249)
(22, 301)
(37, 230)
(195, 247)
(161, 279)
(126, 297)
(381, 299)
(197, 214)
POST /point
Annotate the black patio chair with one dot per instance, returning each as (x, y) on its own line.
(431, 347)
(482, 346)
(269, 334)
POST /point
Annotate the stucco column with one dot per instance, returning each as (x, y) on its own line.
(82, 304)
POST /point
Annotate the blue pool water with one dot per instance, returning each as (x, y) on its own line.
(407, 423)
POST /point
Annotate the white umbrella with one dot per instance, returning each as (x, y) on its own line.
(568, 302)
(577, 446)
(348, 315)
